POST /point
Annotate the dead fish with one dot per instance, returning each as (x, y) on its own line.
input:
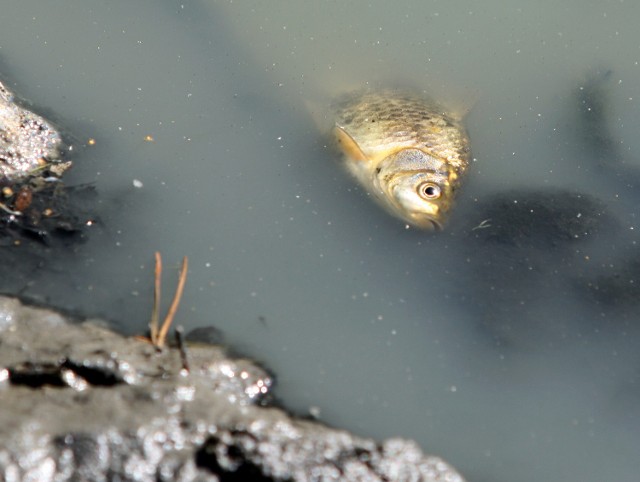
(406, 151)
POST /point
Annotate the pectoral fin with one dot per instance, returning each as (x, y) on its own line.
(347, 145)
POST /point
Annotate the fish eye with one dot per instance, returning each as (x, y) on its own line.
(429, 190)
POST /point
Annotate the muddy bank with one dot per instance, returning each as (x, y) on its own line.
(80, 402)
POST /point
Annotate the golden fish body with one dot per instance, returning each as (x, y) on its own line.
(407, 153)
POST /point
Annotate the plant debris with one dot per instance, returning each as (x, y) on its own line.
(158, 334)
(39, 210)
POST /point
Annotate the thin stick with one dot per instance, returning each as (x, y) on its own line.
(10, 211)
(182, 347)
(174, 304)
(153, 324)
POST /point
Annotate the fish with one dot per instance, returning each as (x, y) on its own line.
(405, 150)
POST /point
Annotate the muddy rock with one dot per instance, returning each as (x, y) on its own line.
(80, 402)
(41, 219)
(29, 144)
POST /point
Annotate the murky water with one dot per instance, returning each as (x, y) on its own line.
(387, 331)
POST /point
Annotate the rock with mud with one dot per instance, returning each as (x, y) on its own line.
(80, 402)
(29, 145)
(34, 204)
(41, 219)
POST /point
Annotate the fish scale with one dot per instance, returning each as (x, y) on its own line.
(388, 130)
(380, 122)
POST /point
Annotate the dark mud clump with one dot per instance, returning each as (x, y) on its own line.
(45, 212)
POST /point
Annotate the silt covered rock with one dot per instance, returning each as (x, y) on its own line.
(80, 402)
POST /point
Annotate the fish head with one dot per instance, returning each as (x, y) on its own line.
(416, 187)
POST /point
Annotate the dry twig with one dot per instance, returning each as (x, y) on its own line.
(159, 335)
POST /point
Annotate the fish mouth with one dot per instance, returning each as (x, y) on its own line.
(435, 226)
(419, 219)
(425, 223)
(419, 214)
